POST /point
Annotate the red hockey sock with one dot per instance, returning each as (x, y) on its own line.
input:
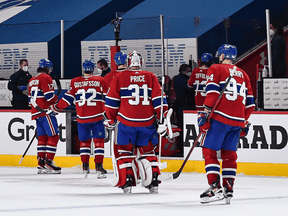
(51, 147)
(212, 165)
(229, 167)
(85, 151)
(41, 147)
(99, 150)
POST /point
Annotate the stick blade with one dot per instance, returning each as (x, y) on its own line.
(176, 175)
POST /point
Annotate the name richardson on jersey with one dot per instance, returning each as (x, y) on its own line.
(278, 134)
(86, 83)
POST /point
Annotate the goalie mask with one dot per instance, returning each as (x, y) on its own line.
(46, 64)
(134, 59)
(88, 66)
(229, 51)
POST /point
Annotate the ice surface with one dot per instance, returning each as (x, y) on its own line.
(23, 192)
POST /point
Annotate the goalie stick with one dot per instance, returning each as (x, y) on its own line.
(177, 174)
(34, 104)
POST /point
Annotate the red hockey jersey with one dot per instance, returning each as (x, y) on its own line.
(198, 81)
(237, 102)
(109, 77)
(41, 93)
(134, 98)
(87, 95)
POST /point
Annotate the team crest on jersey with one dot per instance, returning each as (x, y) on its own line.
(51, 86)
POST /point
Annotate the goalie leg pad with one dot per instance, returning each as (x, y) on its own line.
(85, 150)
(148, 166)
(149, 153)
(124, 161)
(212, 165)
(124, 169)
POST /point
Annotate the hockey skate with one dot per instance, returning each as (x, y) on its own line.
(86, 169)
(228, 191)
(41, 166)
(100, 171)
(213, 193)
(52, 168)
(153, 187)
(127, 188)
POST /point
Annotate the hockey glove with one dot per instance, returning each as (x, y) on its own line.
(203, 124)
(165, 129)
(53, 110)
(244, 131)
(162, 128)
(109, 124)
(22, 88)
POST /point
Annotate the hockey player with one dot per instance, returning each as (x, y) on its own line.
(87, 93)
(132, 101)
(41, 96)
(120, 60)
(228, 122)
(198, 80)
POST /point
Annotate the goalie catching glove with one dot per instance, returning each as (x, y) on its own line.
(164, 129)
(202, 118)
(108, 123)
(244, 131)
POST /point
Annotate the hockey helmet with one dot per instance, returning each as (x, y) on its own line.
(134, 59)
(88, 66)
(45, 63)
(229, 51)
(120, 58)
(206, 57)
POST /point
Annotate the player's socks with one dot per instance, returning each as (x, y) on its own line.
(100, 171)
(213, 193)
(51, 167)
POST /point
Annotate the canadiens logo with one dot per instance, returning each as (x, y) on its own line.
(51, 86)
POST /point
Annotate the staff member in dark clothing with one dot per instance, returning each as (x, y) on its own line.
(184, 99)
(103, 68)
(278, 47)
(17, 84)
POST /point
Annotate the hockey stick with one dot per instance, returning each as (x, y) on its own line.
(164, 164)
(27, 148)
(177, 174)
(114, 162)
